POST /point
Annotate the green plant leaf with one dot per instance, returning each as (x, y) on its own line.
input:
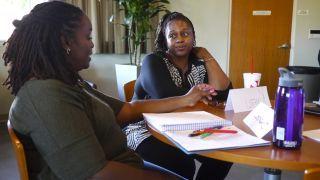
(138, 14)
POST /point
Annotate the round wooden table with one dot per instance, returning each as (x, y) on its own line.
(308, 156)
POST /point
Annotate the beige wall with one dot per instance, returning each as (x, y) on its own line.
(211, 22)
(102, 72)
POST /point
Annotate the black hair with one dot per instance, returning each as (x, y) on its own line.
(35, 50)
(160, 42)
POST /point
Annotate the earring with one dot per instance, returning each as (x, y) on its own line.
(68, 50)
(194, 43)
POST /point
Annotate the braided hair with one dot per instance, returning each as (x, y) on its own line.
(35, 50)
(160, 42)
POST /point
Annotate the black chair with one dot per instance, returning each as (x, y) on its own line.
(319, 57)
(310, 77)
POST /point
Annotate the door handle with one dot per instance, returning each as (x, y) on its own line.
(284, 46)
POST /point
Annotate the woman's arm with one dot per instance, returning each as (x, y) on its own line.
(155, 80)
(133, 111)
(217, 78)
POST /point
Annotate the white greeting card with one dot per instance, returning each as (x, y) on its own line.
(246, 99)
(260, 120)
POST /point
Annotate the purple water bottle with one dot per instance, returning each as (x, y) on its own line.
(289, 111)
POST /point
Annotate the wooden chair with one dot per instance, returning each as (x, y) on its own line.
(312, 174)
(19, 152)
(129, 90)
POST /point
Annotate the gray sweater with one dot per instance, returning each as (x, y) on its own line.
(69, 132)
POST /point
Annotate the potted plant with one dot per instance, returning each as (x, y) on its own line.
(137, 21)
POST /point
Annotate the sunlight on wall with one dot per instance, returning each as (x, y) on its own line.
(11, 10)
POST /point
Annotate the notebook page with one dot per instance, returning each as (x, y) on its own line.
(215, 141)
(178, 121)
(313, 134)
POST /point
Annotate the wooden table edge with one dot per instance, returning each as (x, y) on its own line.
(224, 155)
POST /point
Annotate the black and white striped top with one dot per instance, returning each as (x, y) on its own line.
(159, 78)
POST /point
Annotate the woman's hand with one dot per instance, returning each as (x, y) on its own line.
(132, 111)
(202, 53)
(203, 92)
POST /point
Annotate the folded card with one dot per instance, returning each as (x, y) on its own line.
(246, 99)
(260, 120)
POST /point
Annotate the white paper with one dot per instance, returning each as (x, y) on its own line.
(184, 120)
(214, 141)
(313, 134)
(246, 99)
(260, 120)
(229, 103)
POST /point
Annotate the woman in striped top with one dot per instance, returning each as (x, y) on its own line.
(175, 67)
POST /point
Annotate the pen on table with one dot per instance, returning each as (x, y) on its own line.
(209, 132)
(200, 132)
(204, 135)
(229, 131)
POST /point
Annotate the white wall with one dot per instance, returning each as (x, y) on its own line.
(304, 51)
(102, 72)
(210, 19)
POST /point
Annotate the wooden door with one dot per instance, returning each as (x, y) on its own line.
(263, 38)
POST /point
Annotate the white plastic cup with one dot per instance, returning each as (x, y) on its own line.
(251, 80)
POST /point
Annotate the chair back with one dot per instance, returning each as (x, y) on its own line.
(129, 90)
(312, 174)
(19, 152)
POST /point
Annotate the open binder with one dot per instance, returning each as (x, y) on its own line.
(178, 126)
(215, 141)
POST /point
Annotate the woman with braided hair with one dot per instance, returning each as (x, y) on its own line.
(68, 129)
(171, 70)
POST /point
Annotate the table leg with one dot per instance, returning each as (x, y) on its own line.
(272, 174)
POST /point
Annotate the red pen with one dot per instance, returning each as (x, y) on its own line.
(220, 131)
(201, 131)
(212, 130)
